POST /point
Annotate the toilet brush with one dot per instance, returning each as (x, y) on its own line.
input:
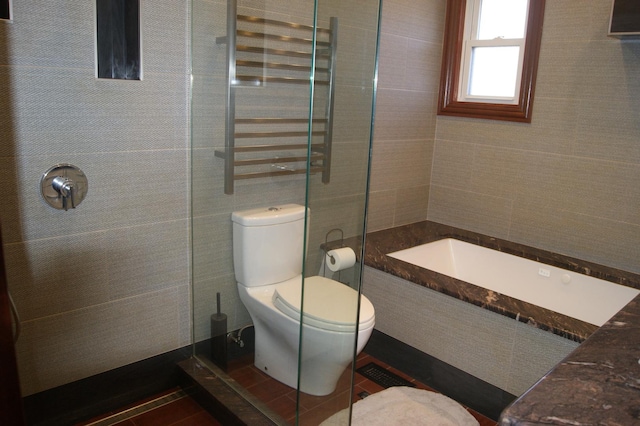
(219, 337)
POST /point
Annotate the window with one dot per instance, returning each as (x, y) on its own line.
(477, 37)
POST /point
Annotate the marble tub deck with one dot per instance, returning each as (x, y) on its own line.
(598, 383)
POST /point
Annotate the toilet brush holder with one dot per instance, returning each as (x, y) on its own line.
(219, 337)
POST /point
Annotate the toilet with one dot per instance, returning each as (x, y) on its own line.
(268, 254)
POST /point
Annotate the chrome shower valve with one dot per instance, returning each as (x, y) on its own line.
(63, 186)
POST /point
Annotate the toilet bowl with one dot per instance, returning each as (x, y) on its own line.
(327, 344)
(308, 347)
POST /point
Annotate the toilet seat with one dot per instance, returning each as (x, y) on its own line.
(328, 304)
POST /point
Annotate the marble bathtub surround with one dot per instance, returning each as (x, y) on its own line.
(380, 243)
(597, 383)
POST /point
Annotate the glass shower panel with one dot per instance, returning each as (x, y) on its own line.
(337, 201)
(212, 263)
(337, 207)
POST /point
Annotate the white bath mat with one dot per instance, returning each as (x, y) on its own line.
(401, 405)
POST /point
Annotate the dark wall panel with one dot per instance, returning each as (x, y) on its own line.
(118, 24)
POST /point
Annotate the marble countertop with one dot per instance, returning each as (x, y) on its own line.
(597, 384)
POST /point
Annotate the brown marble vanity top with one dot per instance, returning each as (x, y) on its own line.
(597, 384)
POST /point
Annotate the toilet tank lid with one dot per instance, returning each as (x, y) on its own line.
(272, 215)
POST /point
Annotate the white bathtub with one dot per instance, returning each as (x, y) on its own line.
(579, 296)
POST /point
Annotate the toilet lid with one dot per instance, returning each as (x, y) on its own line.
(328, 304)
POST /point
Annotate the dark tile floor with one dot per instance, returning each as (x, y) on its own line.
(313, 409)
(175, 408)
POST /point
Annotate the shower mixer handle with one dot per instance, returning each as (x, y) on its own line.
(67, 189)
(64, 186)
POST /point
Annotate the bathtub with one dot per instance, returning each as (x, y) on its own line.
(575, 295)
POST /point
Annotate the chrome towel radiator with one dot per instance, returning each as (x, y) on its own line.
(268, 129)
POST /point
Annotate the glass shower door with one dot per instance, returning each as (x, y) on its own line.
(337, 199)
(338, 202)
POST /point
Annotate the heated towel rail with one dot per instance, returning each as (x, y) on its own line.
(268, 131)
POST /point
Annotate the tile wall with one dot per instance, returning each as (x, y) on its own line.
(567, 182)
(105, 284)
(405, 120)
(492, 347)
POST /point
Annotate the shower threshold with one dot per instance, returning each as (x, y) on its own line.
(230, 404)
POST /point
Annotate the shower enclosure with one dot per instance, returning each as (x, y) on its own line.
(282, 102)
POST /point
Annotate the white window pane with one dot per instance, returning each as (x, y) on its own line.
(494, 71)
(502, 18)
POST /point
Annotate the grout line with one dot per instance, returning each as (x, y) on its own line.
(140, 409)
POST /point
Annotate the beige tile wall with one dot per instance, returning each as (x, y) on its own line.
(409, 68)
(492, 347)
(567, 182)
(105, 284)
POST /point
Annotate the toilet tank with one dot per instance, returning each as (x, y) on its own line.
(268, 244)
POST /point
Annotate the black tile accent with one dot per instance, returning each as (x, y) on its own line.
(11, 411)
(625, 17)
(5, 9)
(384, 378)
(118, 39)
(111, 390)
(468, 390)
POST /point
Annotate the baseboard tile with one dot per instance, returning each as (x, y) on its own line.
(468, 390)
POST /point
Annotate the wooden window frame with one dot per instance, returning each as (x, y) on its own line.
(448, 103)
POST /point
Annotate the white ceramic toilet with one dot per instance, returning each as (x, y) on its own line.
(268, 252)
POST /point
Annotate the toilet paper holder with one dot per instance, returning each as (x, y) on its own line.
(326, 239)
(326, 243)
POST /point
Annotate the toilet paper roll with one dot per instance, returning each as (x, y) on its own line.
(324, 271)
(340, 259)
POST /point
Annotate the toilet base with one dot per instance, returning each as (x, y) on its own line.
(324, 356)
(320, 368)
